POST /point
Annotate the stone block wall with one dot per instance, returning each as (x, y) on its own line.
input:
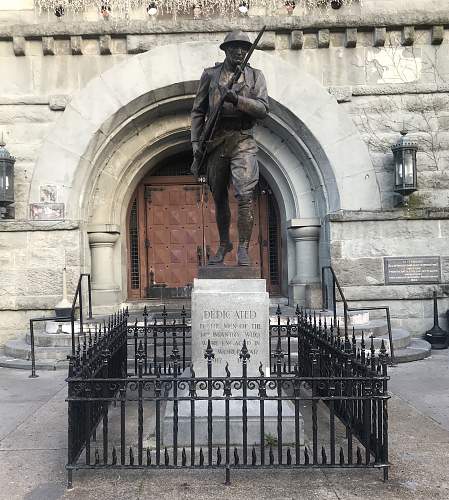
(359, 243)
(31, 263)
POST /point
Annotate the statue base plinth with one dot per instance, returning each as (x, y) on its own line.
(223, 272)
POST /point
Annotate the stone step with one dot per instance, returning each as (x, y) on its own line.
(354, 317)
(61, 327)
(401, 339)
(23, 364)
(44, 339)
(416, 350)
(19, 349)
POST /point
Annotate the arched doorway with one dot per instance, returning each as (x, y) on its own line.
(171, 231)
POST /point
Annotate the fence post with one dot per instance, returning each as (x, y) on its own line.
(244, 356)
(227, 394)
(262, 396)
(209, 355)
(192, 396)
(315, 374)
(70, 419)
(106, 356)
(140, 359)
(145, 337)
(383, 361)
(80, 300)
(279, 355)
(183, 321)
(175, 359)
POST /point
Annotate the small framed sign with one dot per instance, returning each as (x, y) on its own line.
(47, 211)
(411, 270)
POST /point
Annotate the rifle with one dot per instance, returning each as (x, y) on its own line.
(211, 123)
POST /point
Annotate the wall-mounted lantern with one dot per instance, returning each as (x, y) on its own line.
(6, 178)
(404, 152)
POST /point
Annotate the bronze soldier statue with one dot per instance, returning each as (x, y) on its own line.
(232, 150)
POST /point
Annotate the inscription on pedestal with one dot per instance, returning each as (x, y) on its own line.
(227, 316)
(224, 330)
(408, 270)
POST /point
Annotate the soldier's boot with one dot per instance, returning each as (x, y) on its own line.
(223, 218)
(245, 223)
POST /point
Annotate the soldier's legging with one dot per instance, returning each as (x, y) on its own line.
(234, 159)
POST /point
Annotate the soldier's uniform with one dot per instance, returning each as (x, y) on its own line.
(232, 152)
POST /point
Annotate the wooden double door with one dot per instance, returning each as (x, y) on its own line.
(172, 221)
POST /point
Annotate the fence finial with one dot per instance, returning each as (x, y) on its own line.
(244, 353)
(209, 354)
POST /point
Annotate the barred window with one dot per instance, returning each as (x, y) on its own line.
(273, 238)
(134, 247)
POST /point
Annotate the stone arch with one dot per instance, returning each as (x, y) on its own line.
(312, 115)
(118, 126)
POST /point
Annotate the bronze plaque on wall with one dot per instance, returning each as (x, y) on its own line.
(410, 270)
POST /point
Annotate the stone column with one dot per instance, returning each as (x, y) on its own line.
(304, 288)
(102, 239)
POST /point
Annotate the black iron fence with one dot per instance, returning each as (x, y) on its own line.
(324, 407)
(157, 337)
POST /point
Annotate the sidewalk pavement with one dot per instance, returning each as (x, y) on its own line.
(33, 421)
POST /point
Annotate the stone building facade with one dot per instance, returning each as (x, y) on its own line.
(92, 109)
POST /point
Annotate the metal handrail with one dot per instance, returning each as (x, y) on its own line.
(325, 298)
(346, 309)
(71, 318)
(79, 296)
(33, 355)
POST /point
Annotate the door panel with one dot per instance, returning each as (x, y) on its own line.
(170, 225)
(174, 232)
(175, 228)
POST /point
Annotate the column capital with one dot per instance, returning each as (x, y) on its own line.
(306, 222)
(102, 239)
(304, 229)
(103, 228)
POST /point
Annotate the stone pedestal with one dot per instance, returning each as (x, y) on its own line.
(226, 312)
(302, 288)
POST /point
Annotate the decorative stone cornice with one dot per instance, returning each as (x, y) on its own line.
(381, 215)
(312, 22)
(139, 36)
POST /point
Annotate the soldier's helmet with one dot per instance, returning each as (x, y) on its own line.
(236, 36)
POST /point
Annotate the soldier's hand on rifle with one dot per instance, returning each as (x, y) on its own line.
(231, 96)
